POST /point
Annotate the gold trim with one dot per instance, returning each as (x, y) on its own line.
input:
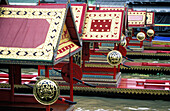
(45, 53)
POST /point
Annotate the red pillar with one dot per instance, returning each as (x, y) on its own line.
(11, 80)
(118, 68)
(39, 2)
(114, 71)
(16, 71)
(86, 50)
(83, 65)
(96, 45)
(115, 45)
(93, 47)
(141, 44)
(141, 30)
(39, 70)
(48, 108)
(100, 44)
(71, 77)
(47, 71)
(132, 32)
(17, 77)
(150, 39)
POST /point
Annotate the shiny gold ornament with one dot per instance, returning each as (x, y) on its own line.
(114, 57)
(141, 36)
(46, 91)
(123, 42)
(150, 32)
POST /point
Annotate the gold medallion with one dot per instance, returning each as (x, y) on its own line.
(141, 36)
(114, 57)
(46, 91)
(150, 32)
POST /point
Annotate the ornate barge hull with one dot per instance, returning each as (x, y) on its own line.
(127, 88)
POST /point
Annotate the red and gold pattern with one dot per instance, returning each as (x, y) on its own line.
(54, 45)
(150, 18)
(103, 26)
(100, 25)
(66, 44)
(115, 8)
(45, 52)
(79, 11)
(136, 18)
(111, 8)
(92, 8)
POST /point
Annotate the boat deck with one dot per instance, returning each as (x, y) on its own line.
(144, 84)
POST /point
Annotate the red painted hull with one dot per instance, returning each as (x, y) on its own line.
(20, 101)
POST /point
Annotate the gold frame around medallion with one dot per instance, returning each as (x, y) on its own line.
(108, 58)
(36, 95)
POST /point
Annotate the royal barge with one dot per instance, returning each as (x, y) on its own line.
(50, 37)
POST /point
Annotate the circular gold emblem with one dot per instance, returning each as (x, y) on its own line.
(114, 57)
(141, 36)
(46, 91)
(150, 32)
